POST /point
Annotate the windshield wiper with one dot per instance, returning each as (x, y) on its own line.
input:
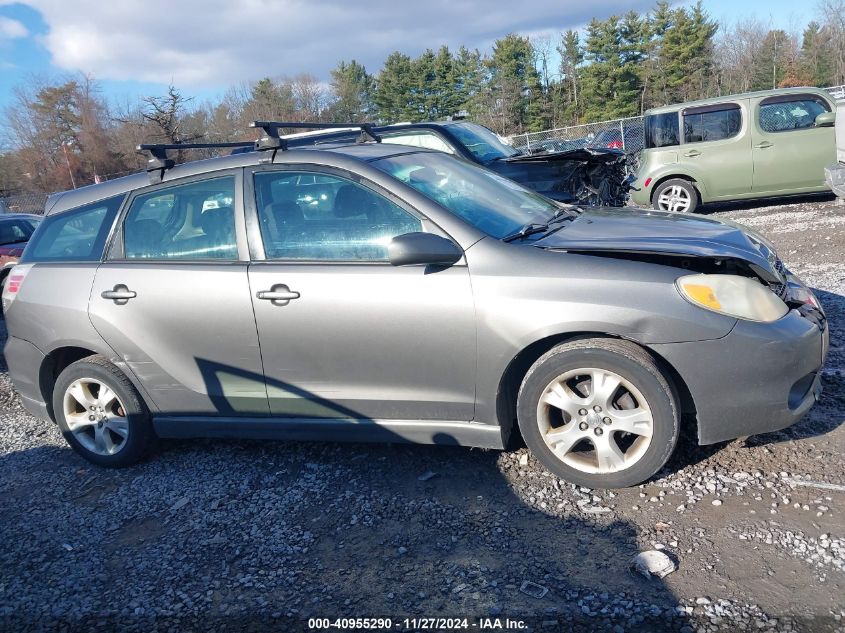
(525, 230)
(532, 228)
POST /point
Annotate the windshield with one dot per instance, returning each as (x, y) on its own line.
(492, 204)
(481, 142)
(16, 231)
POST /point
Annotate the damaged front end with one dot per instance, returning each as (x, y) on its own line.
(586, 176)
(693, 243)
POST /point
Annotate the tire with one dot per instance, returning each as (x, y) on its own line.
(121, 431)
(678, 195)
(567, 444)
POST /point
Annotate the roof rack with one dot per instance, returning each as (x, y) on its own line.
(270, 138)
(158, 162)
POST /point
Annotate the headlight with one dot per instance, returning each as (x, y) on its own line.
(733, 295)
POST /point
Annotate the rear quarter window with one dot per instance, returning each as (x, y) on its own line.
(73, 236)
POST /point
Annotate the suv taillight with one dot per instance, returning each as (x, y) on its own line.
(13, 283)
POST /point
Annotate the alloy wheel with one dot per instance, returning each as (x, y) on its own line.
(674, 198)
(96, 416)
(594, 420)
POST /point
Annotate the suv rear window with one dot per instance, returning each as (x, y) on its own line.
(73, 236)
(661, 130)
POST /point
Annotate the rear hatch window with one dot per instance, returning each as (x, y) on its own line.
(661, 130)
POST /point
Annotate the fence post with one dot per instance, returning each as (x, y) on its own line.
(527, 144)
(622, 132)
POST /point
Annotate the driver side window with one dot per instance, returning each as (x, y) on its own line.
(308, 216)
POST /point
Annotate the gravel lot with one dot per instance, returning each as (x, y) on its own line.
(260, 536)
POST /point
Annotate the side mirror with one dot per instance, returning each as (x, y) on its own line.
(826, 119)
(422, 248)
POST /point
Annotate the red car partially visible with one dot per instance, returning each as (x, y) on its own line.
(15, 231)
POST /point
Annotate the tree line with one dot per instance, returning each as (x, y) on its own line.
(65, 133)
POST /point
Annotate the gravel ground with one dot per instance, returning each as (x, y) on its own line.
(261, 536)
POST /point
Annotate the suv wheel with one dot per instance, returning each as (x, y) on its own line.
(101, 414)
(676, 194)
(598, 413)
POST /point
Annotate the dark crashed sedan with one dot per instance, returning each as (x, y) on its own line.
(587, 176)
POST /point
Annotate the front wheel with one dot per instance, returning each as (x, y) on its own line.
(101, 414)
(676, 194)
(598, 413)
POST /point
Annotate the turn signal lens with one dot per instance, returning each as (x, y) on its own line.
(703, 295)
(733, 295)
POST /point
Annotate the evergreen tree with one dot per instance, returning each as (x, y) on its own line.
(816, 56)
(571, 58)
(615, 48)
(353, 89)
(515, 85)
(393, 93)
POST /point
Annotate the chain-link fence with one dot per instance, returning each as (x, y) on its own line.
(24, 203)
(627, 135)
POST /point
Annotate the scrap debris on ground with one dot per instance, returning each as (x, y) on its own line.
(262, 535)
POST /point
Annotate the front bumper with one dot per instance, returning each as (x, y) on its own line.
(834, 176)
(761, 377)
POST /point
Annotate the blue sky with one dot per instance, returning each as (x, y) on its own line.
(136, 47)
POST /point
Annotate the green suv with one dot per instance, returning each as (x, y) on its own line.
(751, 145)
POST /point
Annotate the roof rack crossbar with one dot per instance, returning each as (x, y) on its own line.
(158, 162)
(273, 141)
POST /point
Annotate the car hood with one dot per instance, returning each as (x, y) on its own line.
(631, 230)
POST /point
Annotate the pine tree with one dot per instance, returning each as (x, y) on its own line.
(393, 93)
(515, 85)
(353, 89)
(571, 58)
(816, 56)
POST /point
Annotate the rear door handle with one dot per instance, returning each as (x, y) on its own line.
(279, 294)
(763, 144)
(120, 294)
(692, 153)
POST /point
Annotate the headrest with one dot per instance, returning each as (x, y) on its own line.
(351, 201)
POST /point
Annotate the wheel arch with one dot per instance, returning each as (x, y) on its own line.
(696, 185)
(54, 363)
(519, 365)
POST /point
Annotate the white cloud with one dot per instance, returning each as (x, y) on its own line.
(11, 29)
(218, 42)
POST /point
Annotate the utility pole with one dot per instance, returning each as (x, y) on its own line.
(67, 162)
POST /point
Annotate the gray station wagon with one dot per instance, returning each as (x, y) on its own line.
(374, 292)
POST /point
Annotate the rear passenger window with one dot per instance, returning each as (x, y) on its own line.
(319, 217)
(784, 113)
(194, 221)
(711, 123)
(74, 236)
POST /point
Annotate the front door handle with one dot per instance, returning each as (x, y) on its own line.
(120, 294)
(763, 144)
(692, 153)
(279, 295)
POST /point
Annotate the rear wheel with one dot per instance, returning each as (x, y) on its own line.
(676, 194)
(598, 413)
(101, 414)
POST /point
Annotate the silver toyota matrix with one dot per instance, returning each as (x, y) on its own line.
(363, 291)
